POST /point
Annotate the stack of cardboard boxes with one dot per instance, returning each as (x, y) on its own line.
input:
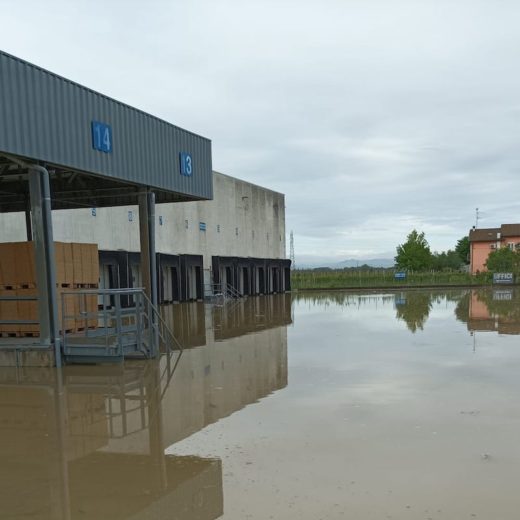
(77, 267)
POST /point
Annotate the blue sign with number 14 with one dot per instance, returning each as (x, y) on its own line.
(101, 137)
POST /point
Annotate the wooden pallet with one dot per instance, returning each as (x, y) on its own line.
(18, 334)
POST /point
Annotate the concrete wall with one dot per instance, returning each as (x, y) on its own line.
(242, 220)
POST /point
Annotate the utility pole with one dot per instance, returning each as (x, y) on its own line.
(291, 251)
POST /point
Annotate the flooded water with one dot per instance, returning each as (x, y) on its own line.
(321, 405)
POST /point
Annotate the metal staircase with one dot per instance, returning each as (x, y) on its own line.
(109, 325)
(221, 293)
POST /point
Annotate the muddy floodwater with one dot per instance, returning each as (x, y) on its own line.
(323, 405)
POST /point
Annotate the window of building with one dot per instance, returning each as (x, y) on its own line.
(511, 245)
(94, 212)
(186, 224)
(130, 216)
(202, 226)
(236, 231)
(218, 228)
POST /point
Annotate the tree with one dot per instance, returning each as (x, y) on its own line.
(462, 249)
(503, 260)
(415, 253)
(447, 260)
(415, 310)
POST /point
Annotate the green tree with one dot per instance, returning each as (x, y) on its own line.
(503, 260)
(462, 249)
(415, 253)
(447, 260)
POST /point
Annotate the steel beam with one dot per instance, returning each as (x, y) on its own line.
(39, 189)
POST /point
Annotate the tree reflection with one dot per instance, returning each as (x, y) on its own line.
(462, 308)
(414, 309)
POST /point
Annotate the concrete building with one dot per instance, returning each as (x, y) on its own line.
(237, 238)
(484, 241)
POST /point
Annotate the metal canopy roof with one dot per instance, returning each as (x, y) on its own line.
(99, 152)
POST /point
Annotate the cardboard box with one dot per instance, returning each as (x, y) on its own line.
(85, 311)
(86, 263)
(8, 264)
(59, 252)
(78, 274)
(25, 264)
(94, 264)
(75, 264)
(69, 264)
(8, 311)
(66, 309)
(28, 310)
(64, 264)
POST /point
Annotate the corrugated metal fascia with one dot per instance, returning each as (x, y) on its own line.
(92, 91)
(46, 117)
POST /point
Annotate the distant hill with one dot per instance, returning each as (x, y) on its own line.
(352, 262)
(372, 262)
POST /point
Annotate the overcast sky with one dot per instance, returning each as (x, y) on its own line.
(373, 117)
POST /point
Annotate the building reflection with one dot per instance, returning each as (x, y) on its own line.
(89, 442)
(495, 310)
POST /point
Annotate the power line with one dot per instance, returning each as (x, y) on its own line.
(291, 251)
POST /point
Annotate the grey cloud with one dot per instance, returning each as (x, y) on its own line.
(372, 117)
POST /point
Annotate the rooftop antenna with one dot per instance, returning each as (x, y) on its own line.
(477, 216)
(291, 251)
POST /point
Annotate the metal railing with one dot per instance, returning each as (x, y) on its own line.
(113, 322)
(12, 327)
(213, 289)
(16, 299)
(225, 291)
(232, 292)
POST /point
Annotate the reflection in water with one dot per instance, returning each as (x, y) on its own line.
(343, 298)
(89, 442)
(496, 309)
(412, 306)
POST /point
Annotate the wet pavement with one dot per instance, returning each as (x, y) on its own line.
(321, 405)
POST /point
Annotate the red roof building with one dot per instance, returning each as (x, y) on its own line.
(484, 241)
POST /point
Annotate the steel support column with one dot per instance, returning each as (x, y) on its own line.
(28, 224)
(147, 236)
(39, 189)
(148, 260)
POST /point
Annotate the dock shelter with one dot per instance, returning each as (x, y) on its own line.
(64, 146)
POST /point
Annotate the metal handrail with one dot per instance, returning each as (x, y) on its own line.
(141, 321)
(19, 299)
(163, 322)
(232, 291)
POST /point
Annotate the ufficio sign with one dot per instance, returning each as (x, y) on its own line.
(503, 278)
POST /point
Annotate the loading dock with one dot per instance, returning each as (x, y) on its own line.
(65, 146)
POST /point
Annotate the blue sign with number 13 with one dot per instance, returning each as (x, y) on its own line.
(186, 164)
(101, 137)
